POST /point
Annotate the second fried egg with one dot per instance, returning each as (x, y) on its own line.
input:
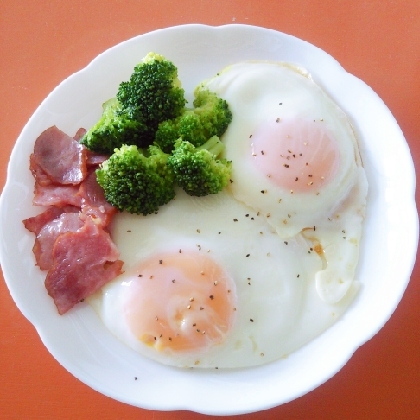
(208, 283)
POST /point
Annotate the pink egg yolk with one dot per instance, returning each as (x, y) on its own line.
(297, 155)
(181, 302)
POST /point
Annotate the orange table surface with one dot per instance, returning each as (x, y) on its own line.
(43, 42)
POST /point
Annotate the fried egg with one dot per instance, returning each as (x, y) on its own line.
(294, 151)
(208, 283)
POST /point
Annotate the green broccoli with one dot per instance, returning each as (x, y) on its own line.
(153, 94)
(113, 129)
(137, 182)
(209, 117)
(139, 177)
(140, 182)
(197, 169)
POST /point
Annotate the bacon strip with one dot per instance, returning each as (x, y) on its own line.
(83, 262)
(72, 241)
(93, 201)
(45, 240)
(56, 195)
(35, 224)
(58, 158)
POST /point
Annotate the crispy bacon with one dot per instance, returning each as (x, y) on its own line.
(79, 134)
(36, 223)
(93, 201)
(58, 158)
(72, 240)
(56, 195)
(83, 261)
(94, 160)
(45, 239)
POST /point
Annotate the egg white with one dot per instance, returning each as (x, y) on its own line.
(278, 307)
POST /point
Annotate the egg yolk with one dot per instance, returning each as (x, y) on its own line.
(181, 302)
(297, 155)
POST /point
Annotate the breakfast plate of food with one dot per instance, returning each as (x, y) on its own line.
(209, 218)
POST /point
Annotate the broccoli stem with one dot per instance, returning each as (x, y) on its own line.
(213, 145)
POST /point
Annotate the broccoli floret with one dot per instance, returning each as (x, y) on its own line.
(187, 127)
(114, 129)
(153, 94)
(137, 182)
(140, 177)
(197, 169)
(214, 112)
(210, 117)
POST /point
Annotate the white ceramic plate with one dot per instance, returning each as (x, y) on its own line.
(86, 349)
